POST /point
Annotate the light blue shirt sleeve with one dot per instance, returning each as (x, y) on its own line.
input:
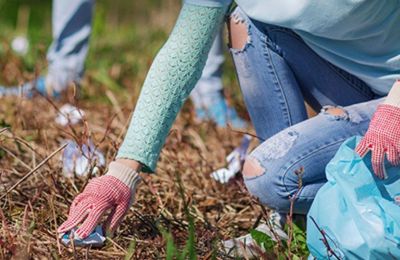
(209, 3)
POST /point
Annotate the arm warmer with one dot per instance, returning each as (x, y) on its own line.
(172, 76)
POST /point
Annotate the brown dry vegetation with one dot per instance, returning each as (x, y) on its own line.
(31, 212)
(122, 49)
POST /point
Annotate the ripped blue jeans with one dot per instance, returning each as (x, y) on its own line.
(277, 72)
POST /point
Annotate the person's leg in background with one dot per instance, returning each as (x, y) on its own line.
(71, 25)
(66, 56)
(208, 97)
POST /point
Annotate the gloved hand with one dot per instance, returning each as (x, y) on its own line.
(114, 191)
(382, 138)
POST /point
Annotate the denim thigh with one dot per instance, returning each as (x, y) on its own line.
(277, 71)
(294, 160)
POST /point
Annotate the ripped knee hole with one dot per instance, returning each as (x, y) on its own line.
(340, 113)
(336, 111)
(252, 168)
(238, 34)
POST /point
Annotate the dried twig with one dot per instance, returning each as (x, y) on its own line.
(33, 170)
(3, 129)
(325, 240)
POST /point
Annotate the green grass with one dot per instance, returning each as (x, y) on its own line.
(126, 36)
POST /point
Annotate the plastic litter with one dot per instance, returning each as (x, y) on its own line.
(78, 159)
(234, 160)
(20, 45)
(243, 245)
(355, 215)
(95, 239)
(69, 114)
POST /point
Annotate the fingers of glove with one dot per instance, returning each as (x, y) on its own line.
(81, 197)
(393, 156)
(75, 217)
(116, 217)
(378, 158)
(362, 148)
(107, 223)
(94, 217)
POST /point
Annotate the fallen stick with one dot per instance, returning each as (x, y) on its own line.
(3, 129)
(116, 106)
(33, 170)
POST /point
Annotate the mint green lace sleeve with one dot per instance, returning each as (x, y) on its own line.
(170, 79)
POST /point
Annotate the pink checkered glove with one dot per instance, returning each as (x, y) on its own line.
(114, 191)
(382, 138)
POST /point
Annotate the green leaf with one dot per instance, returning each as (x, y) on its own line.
(262, 240)
(131, 250)
(170, 247)
(295, 257)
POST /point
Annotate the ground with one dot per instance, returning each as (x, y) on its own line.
(126, 37)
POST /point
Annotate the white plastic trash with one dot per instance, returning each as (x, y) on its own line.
(78, 159)
(95, 239)
(20, 45)
(234, 161)
(223, 175)
(69, 115)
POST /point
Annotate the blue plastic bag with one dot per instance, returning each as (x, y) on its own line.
(355, 215)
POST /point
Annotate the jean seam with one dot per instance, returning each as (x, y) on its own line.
(307, 156)
(254, 31)
(279, 84)
(303, 197)
(285, 31)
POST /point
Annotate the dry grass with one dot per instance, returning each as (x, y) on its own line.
(31, 213)
(121, 53)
